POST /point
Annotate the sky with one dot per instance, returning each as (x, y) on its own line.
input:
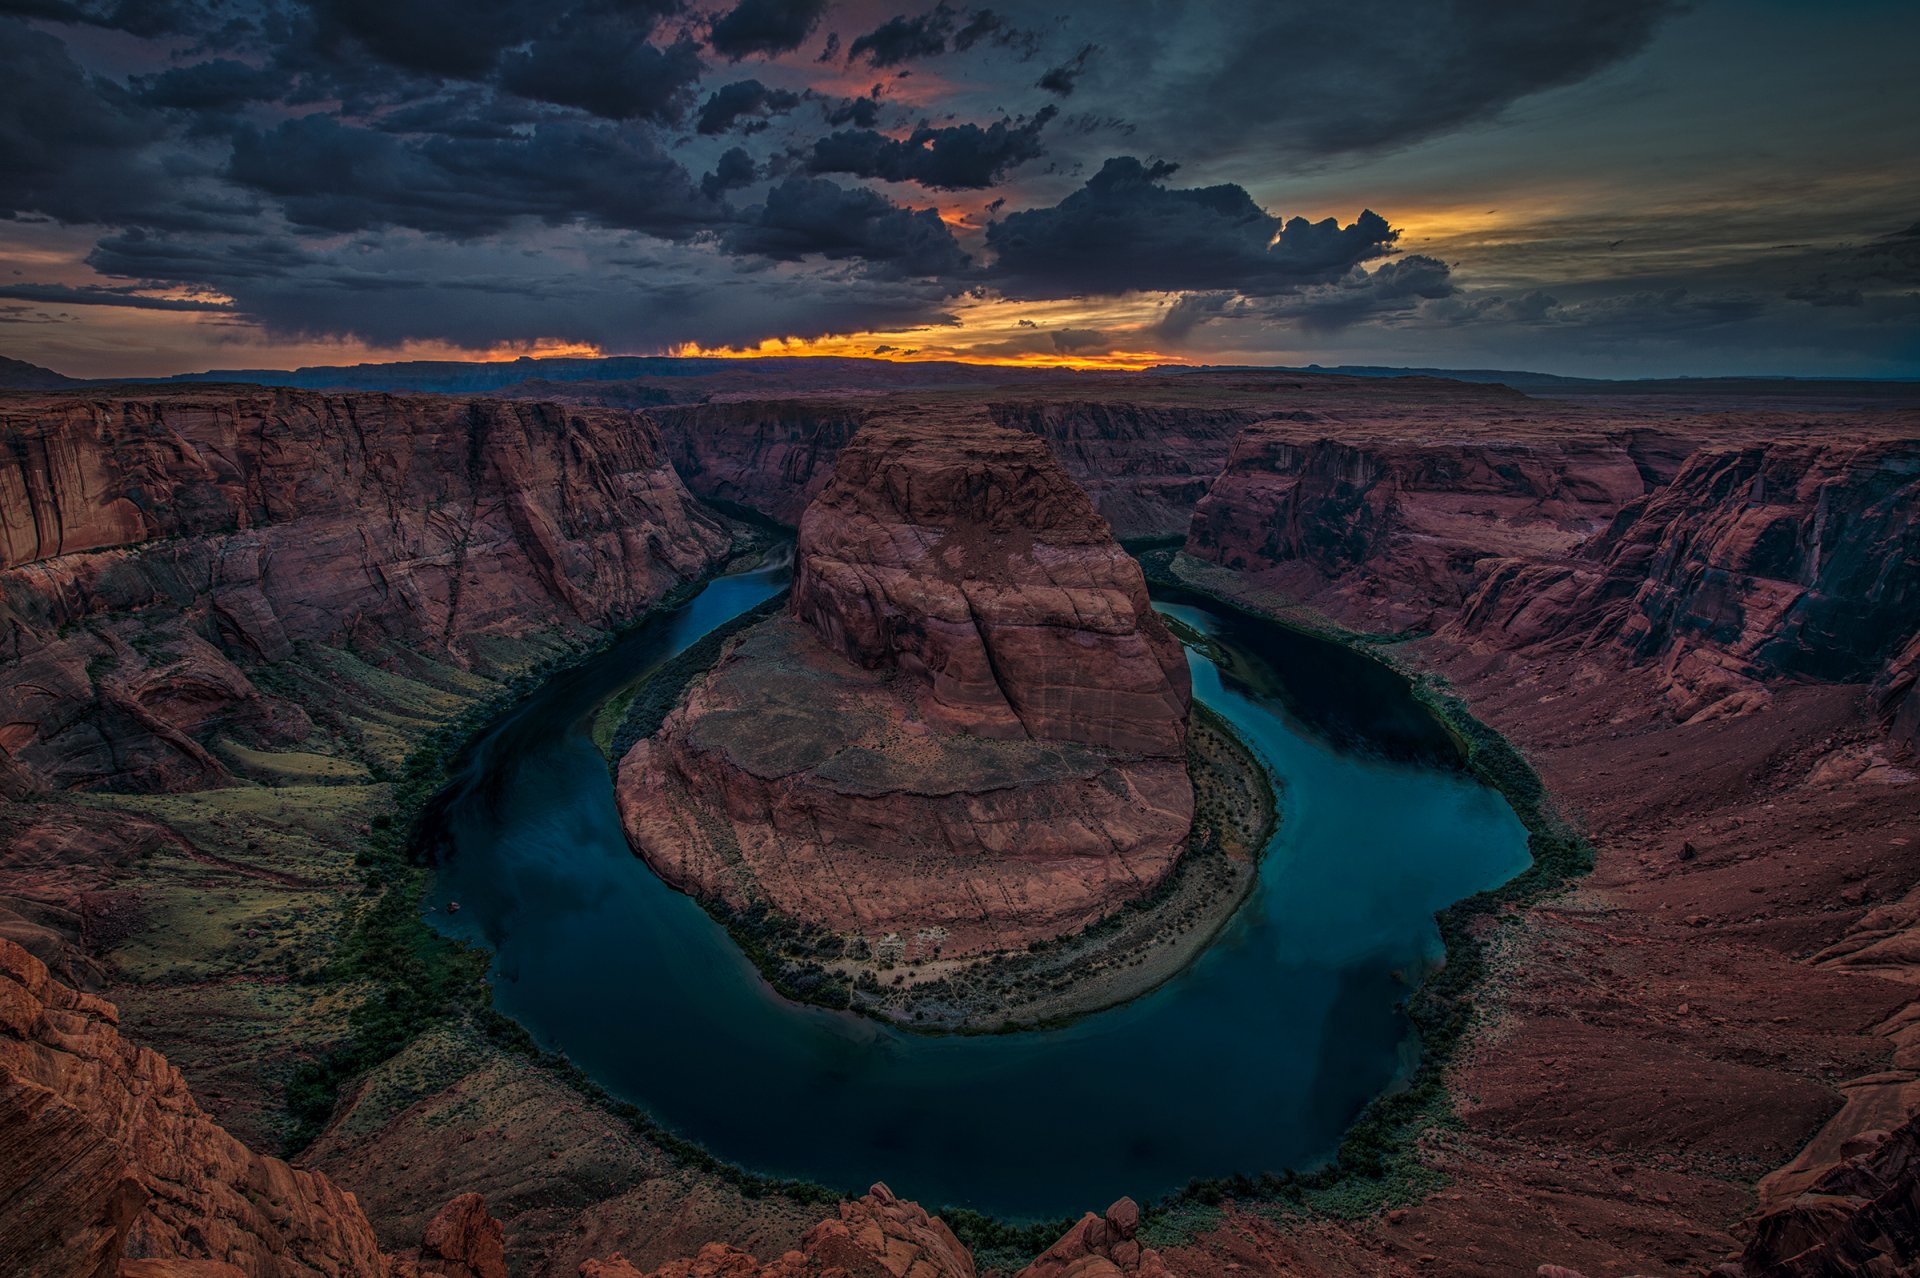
(1616, 188)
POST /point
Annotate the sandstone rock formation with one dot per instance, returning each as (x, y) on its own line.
(1389, 531)
(155, 550)
(970, 735)
(875, 1236)
(1100, 1247)
(105, 1155)
(1756, 562)
(1860, 1216)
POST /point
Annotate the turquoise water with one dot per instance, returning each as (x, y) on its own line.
(1256, 1058)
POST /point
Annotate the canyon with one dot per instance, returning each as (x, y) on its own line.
(233, 612)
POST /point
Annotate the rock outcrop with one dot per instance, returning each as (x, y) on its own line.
(875, 1236)
(104, 1155)
(1100, 1247)
(1859, 1217)
(970, 733)
(156, 550)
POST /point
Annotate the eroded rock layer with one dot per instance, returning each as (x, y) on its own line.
(1758, 562)
(1391, 531)
(970, 735)
(158, 550)
(105, 1155)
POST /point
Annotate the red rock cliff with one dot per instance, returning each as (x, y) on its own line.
(1759, 562)
(104, 1157)
(1388, 531)
(156, 548)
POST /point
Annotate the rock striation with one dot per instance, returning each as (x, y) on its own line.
(1778, 560)
(155, 551)
(968, 735)
(1146, 465)
(1389, 531)
(771, 456)
(874, 1236)
(104, 1155)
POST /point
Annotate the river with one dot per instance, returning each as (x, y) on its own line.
(1256, 1058)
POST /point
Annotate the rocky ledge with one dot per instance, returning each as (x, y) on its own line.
(968, 736)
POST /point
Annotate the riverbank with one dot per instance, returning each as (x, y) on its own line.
(1381, 1163)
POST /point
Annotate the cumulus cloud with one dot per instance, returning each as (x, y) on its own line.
(765, 27)
(813, 217)
(1127, 231)
(733, 170)
(608, 68)
(961, 157)
(747, 100)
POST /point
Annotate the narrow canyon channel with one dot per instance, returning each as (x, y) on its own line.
(1256, 1057)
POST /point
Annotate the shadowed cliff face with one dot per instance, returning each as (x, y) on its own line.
(1715, 563)
(158, 550)
(1393, 530)
(1144, 465)
(1761, 562)
(971, 731)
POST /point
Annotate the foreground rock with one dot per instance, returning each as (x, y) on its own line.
(106, 1156)
(969, 735)
(156, 551)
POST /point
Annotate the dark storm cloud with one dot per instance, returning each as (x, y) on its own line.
(961, 157)
(335, 177)
(1319, 79)
(743, 99)
(765, 26)
(221, 84)
(608, 68)
(438, 37)
(902, 38)
(863, 112)
(734, 169)
(806, 217)
(72, 145)
(1396, 287)
(1062, 78)
(1127, 231)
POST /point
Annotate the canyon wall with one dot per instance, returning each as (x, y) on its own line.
(1389, 531)
(1715, 563)
(158, 550)
(1779, 560)
(771, 456)
(970, 733)
(1144, 465)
